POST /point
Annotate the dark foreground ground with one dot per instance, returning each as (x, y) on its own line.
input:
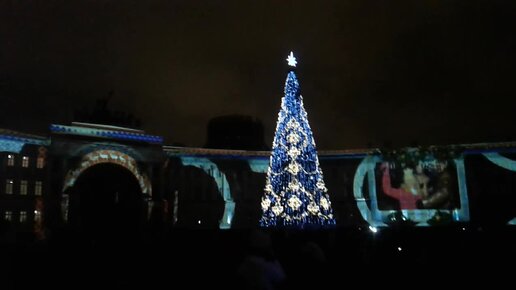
(211, 259)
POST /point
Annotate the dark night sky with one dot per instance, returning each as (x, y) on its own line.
(434, 72)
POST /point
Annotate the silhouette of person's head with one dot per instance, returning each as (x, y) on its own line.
(260, 244)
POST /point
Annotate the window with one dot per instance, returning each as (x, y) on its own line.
(25, 161)
(37, 216)
(23, 187)
(38, 188)
(23, 217)
(10, 160)
(40, 163)
(8, 216)
(9, 186)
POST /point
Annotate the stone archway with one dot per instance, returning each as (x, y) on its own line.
(104, 157)
(108, 156)
(106, 202)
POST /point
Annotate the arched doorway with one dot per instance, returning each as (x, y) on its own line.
(106, 201)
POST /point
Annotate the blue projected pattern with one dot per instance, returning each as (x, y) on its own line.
(11, 145)
(14, 144)
(505, 163)
(258, 165)
(501, 161)
(61, 129)
(222, 184)
(367, 165)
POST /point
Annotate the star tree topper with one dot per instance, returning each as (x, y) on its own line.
(291, 59)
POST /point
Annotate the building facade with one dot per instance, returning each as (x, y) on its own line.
(98, 178)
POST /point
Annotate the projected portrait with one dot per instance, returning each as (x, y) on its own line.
(414, 187)
(428, 184)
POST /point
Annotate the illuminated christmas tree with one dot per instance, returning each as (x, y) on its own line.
(295, 193)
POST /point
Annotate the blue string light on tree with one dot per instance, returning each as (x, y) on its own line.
(295, 194)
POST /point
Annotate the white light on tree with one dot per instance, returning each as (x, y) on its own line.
(291, 59)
